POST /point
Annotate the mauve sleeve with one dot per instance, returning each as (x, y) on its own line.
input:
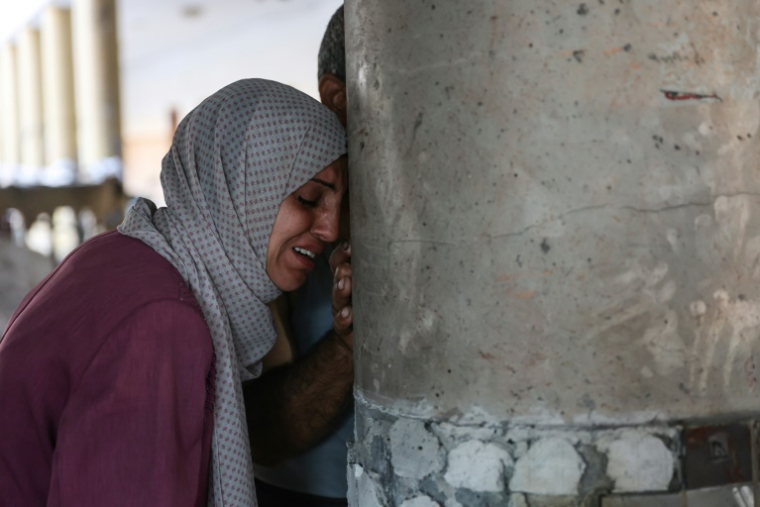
(136, 429)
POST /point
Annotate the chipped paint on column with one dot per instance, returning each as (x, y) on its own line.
(555, 221)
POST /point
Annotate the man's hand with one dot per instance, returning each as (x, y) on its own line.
(343, 317)
(293, 406)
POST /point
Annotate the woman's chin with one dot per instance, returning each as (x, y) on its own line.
(289, 282)
(289, 271)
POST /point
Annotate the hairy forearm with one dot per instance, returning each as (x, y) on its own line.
(292, 407)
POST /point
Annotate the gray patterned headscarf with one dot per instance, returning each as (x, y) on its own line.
(233, 160)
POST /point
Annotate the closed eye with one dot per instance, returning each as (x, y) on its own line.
(306, 202)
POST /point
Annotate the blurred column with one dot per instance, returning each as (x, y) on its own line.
(9, 117)
(2, 145)
(3, 161)
(58, 95)
(96, 76)
(30, 105)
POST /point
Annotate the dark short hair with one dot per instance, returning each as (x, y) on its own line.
(332, 51)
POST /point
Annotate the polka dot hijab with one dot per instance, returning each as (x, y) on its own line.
(233, 160)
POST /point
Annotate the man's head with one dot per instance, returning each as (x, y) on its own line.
(332, 66)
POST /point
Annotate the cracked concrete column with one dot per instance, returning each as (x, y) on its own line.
(58, 92)
(556, 232)
(9, 118)
(96, 77)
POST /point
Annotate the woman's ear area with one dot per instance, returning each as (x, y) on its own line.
(332, 92)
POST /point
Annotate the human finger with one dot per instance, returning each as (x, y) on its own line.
(342, 288)
(343, 322)
(340, 255)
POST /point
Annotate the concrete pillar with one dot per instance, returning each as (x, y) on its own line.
(30, 105)
(9, 117)
(556, 237)
(58, 88)
(96, 77)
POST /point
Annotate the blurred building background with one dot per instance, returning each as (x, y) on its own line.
(90, 93)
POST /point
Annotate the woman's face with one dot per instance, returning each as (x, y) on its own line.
(307, 221)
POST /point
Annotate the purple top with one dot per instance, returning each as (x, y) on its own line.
(106, 385)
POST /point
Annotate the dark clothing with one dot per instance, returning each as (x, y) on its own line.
(106, 385)
(274, 496)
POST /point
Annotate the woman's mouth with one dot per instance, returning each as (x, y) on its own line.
(305, 252)
(305, 258)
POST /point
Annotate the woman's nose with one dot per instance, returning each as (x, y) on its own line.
(327, 224)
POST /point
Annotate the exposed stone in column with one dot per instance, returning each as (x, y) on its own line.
(556, 227)
(30, 105)
(96, 77)
(58, 95)
(553, 466)
(495, 464)
(477, 466)
(9, 119)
